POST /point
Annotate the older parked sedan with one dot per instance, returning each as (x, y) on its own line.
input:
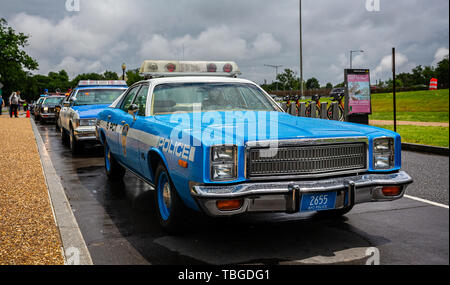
(77, 118)
(222, 146)
(45, 110)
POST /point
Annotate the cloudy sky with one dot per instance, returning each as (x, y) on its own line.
(105, 33)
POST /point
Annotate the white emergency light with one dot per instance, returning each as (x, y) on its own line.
(167, 68)
(86, 83)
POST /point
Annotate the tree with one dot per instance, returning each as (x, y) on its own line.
(428, 73)
(288, 80)
(13, 59)
(133, 76)
(417, 76)
(110, 75)
(329, 85)
(442, 72)
(85, 76)
(342, 84)
(312, 83)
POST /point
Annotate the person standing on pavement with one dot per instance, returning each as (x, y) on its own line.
(14, 101)
(2, 104)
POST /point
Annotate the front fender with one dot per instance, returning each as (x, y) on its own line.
(179, 177)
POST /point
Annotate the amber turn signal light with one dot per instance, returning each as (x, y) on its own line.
(391, 190)
(229, 205)
(183, 163)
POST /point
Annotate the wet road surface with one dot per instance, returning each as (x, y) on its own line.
(120, 227)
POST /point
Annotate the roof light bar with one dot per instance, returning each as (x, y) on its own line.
(102, 83)
(165, 68)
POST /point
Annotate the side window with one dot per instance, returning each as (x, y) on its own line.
(141, 100)
(126, 103)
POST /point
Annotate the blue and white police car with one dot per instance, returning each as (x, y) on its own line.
(210, 142)
(78, 115)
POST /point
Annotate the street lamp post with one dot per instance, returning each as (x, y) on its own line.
(351, 56)
(301, 49)
(124, 67)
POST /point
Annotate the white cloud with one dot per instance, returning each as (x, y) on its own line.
(77, 66)
(386, 63)
(440, 54)
(106, 33)
(215, 43)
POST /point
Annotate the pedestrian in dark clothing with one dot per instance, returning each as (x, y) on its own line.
(2, 104)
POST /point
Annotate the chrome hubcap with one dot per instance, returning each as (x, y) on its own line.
(166, 195)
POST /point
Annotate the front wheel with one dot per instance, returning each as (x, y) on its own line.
(57, 126)
(64, 136)
(172, 212)
(114, 171)
(75, 146)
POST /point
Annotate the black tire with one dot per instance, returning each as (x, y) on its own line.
(57, 125)
(114, 171)
(335, 213)
(75, 146)
(64, 136)
(175, 221)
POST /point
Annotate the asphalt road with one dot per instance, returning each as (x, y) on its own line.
(120, 226)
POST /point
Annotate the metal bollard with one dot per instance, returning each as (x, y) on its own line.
(302, 110)
(284, 106)
(313, 110)
(335, 111)
(293, 109)
(324, 111)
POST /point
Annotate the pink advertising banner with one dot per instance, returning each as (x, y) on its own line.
(359, 93)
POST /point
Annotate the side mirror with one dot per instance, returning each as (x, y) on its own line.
(132, 110)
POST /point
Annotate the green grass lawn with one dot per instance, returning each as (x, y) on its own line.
(419, 106)
(416, 106)
(435, 136)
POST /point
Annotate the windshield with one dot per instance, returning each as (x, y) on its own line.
(53, 100)
(97, 96)
(182, 97)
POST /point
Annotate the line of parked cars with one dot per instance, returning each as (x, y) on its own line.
(209, 142)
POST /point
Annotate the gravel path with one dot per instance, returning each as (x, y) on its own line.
(408, 123)
(28, 232)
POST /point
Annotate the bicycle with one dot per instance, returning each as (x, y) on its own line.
(290, 100)
(315, 98)
(337, 98)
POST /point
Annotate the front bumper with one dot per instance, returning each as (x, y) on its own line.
(48, 116)
(286, 196)
(85, 133)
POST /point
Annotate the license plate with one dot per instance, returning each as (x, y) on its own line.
(318, 202)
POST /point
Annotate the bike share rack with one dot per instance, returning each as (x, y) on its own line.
(301, 110)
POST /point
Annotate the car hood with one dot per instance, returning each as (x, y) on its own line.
(242, 127)
(89, 111)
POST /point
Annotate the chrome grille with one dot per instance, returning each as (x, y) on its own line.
(307, 160)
